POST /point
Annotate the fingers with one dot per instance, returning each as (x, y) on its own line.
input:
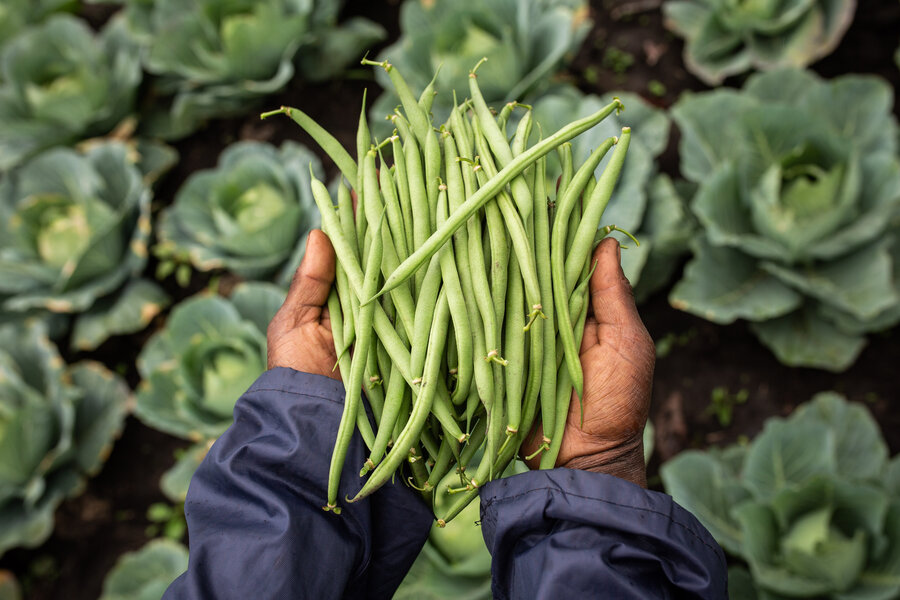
(612, 301)
(313, 278)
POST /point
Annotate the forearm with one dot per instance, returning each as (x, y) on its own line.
(576, 532)
(254, 512)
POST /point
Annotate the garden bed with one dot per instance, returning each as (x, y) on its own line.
(628, 49)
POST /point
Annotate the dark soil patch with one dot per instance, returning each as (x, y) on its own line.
(628, 49)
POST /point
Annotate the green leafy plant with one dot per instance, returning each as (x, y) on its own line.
(62, 83)
(812, 504)
(145, 574)
(727, 37)
(649, 205)
(722, 403)
(799, 185)
(57, 425)
(16, 15)
(525, 43)
(74, 237)
(213, 58)
(249, 215)
(195, 368)
(166, 519)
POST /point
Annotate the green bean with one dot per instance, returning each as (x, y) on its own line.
(583, 244)
(432, 172)
(496, 139)
(426, 98)
(441, 464)
(421, 407)
(343, 288)
(402, 415)
(523, 132)
(393, 210)
(516, 232)
(486, 192)
(514, 347)
(357, 370)
(418, 118)
(557, 261)
(504, 115)
(337, 332)
(458, 311)
(565, 161)
(542, 253)
(443, 411)
(400, 177)
(363, 142)
(348, 259)
(421, 215)
(419, 472)
(325, 140)
(429, 441)
(393, 403)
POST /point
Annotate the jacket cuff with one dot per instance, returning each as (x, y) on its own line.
(283, 379)
(608, 516)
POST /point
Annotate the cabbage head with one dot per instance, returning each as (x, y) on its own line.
(525, 42)
(799, 188)
(644, 203)
(196, 367)
(812, 505)
(728, 37)
(213, 57)
(249, 215)
(60, 82)
(57, 425)
(73, 238)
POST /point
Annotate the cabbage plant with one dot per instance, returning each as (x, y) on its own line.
(213, 57)
(728, 37)
(73, 237)
(62, 83)
(644, 203)
(196, 367)
(798, 184)
(146, 573)
(16, 15)
(812, 504)
(249, 215)
(57, 425)
(525, 42)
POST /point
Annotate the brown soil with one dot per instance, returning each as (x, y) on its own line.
(93, 530)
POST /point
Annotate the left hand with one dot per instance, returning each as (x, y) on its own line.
(299, 335)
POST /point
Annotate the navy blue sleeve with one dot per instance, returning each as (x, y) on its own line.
(254, 508)
(559, 532)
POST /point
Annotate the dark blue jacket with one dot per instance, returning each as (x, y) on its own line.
(257, 528)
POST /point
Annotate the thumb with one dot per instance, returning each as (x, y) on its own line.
(313, 278)
(612, 300)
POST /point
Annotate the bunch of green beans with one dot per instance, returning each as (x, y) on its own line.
(460, 288)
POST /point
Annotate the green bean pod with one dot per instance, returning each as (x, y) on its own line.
(421, 407)
(488, 191)
(357, 371)
(402, 181)
(593, 210)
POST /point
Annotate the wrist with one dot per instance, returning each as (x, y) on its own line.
(625, 463)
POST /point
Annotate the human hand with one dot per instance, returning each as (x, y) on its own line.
(299, 335)
(617, 357)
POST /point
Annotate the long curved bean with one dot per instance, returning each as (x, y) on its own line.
(421, 406)
(353, 389)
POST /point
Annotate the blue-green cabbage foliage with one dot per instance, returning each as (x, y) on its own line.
(73, 238)
(799, 188)
(60, 82)
(146, 573)
(196, 367)
(249, 215)
(214, 57)
(728, 37)
(525, 42)
(16, 15)
(57, 425)
(812, 505)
